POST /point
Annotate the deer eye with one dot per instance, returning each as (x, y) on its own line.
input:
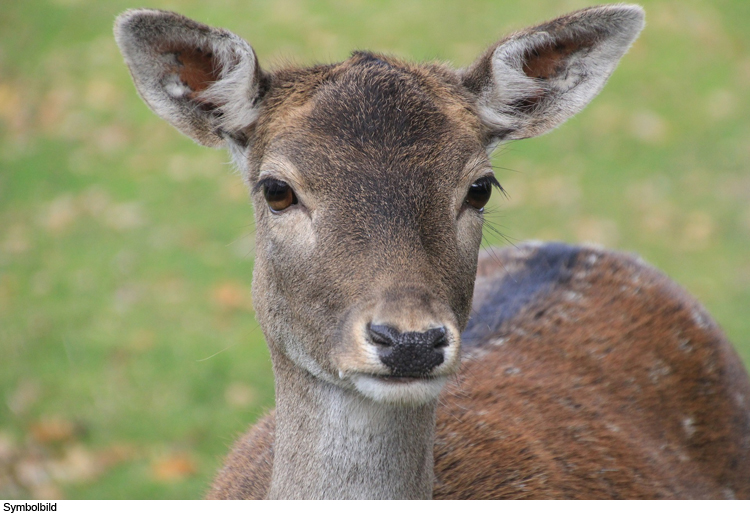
(479, 193)
(279, 195)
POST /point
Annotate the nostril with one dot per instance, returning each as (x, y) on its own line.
(436, 337)
(388, 336)
(383, 335)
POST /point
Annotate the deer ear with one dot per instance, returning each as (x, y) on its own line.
(204, 81)
(532, 81)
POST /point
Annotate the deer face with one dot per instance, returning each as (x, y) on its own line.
(366, 242)
(369, 178)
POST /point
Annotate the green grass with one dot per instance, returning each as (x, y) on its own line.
(126, 250)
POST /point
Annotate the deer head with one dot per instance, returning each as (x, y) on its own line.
(369, 178)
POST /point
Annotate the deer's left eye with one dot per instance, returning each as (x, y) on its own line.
(279, 195)
(479, 193)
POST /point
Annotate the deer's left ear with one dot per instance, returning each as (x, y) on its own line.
(532, 81)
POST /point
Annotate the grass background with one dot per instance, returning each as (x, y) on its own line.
(129, 355)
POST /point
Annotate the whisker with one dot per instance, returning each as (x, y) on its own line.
(214, 355)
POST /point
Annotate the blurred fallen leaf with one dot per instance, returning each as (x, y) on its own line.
(11, 109)
(77, 465)
(48, 491)
(53, 429)
(173, 468)
(8, 450)
(232, 296)
(116, 454)
(31, 473)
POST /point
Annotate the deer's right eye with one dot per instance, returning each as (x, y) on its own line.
(279, 195)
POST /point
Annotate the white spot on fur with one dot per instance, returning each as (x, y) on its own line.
(685, 346)
(700, 318)
(572, 296)
(613, 427)
(175, 87)
(499, 342)
(688, 425)
(658, 371)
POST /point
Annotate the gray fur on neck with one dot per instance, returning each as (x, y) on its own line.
(332, 443)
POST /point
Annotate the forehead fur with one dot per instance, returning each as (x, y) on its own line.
(373, 105)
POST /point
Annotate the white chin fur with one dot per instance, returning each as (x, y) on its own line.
(413, 392)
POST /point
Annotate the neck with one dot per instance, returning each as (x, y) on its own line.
(333, 443)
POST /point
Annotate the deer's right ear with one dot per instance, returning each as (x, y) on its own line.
(205, 81)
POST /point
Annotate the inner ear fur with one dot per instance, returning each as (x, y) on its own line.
(205, 81)
(534, 80)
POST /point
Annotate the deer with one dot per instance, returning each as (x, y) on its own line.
(409, 363)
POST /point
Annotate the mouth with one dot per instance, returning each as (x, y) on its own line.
(399, 390)
(402, 379)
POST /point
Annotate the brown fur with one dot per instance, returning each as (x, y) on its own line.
(614, 383)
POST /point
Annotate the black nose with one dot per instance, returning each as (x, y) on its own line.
(409, 354)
